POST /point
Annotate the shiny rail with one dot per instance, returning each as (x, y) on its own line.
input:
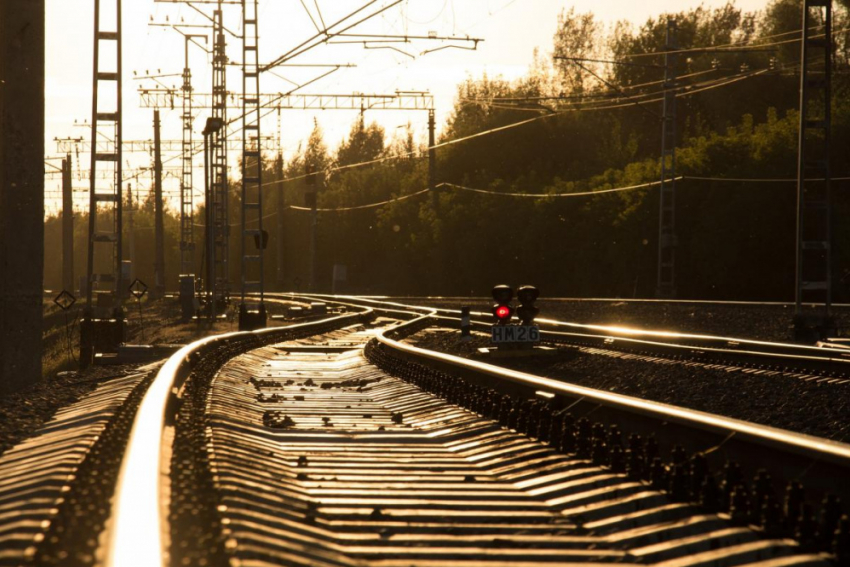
(820, 461)
(138, 519)
(708, 347)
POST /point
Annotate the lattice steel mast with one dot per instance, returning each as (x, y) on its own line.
(108, 200)
(187, 238)
(104, 239)
(218, 254)
(814, 211)
(251, 316)
(666, 287)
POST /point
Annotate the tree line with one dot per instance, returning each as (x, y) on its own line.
(596, 125)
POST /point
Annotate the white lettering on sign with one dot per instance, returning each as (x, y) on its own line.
(515, 334)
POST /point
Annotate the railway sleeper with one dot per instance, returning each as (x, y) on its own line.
(393, 471)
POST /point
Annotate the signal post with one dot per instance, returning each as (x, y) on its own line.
(510, 339)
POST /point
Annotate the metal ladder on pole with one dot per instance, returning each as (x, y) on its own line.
(814, 211)
(102, 327)
(254, 238)
(187, 237)
(667, 191)
(105, 238)
(220, 287)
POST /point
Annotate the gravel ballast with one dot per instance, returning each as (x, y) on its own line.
(781, 401)
(765, 322)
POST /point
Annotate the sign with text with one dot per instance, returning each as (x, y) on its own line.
(514, 334)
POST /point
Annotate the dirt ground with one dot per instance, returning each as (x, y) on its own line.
(61, 383)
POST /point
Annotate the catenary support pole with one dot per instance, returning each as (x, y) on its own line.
(432, 157)
(280, 233)
(666, 286)
(21, 191)
(314, 229)
(131, 230)
(67, 226)
(814, 192)
(159, 227)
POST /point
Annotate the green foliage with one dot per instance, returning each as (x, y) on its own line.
(736, 239)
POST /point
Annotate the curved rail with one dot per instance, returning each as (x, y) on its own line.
(136, 537)
(823, 462)
(677, 344)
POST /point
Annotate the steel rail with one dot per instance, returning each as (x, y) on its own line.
(138, 522)
(734, 303)
(822, 462)
(693, 343)
(818, 359)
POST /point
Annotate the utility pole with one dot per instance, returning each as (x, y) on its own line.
(432, 158)
(312, 197)
(159, 228)
(814, 206)
(314, 230)
(667, 206)
(21, 191)
(67, 226)
(280, 208)
(210, 130)
(131, 229)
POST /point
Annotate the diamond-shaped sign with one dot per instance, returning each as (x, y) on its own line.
(65, 300)
(138, 288)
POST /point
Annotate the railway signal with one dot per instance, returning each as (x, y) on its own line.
(511, 337)
(502, 309)
(527, 311)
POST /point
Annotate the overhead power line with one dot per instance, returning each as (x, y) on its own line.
(733, 47)
(627, 103)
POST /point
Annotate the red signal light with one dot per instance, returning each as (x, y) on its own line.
(502, 309)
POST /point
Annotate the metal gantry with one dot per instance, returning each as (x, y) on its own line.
(102, 236)
(68, 145)
(814, 266)
(666, 287)
(165, 98)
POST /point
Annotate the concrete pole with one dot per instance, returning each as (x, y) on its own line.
(280, 235)
(21, 191)
(67, 227)
(314, 229)
(131, 232)
(159, 227)
(432, 159)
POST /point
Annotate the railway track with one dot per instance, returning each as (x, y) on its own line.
(829, 365)
(334, 442)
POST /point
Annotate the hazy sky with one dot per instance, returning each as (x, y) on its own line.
(511, 30)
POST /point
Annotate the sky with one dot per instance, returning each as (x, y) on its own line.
(510, 29)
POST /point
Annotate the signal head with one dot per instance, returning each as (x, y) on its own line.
(503, 293)
(527, 294)
(502, 313)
